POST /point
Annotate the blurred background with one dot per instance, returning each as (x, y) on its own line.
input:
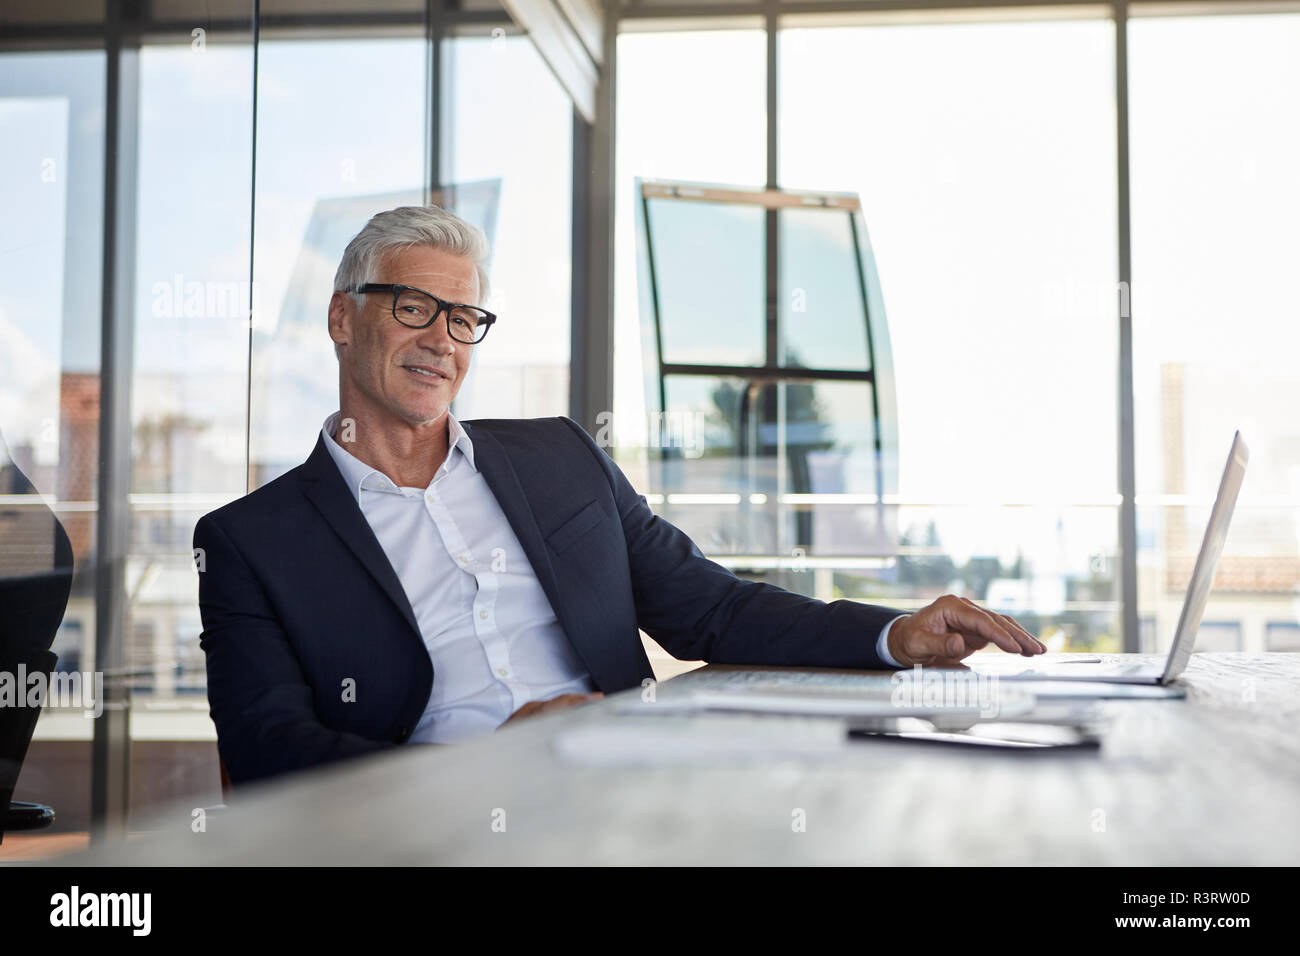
(876, 300)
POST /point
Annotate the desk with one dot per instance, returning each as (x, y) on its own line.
(1212, 779)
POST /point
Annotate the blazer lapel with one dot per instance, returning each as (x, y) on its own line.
(325, 488)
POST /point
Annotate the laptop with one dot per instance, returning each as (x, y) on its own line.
(1078, 667)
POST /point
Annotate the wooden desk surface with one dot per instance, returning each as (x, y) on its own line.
(1211, 779)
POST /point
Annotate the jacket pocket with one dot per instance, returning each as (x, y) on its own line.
(567, 534)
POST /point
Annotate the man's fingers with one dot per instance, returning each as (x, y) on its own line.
(967, 615)
(954, 627)
(1011, 622)
(1021, 633)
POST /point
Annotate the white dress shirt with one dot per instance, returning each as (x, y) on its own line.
(492, 635)
(491, 632)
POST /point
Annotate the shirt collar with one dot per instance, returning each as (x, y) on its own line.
(355, 471)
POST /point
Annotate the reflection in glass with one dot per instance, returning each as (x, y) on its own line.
(317, 185)
(51, 191)
(791, 452)
(708, 261)
(823, 310)
(522, 370)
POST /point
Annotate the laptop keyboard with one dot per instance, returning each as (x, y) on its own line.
(810, 683)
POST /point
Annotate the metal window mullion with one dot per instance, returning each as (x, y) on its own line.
(591, 354)
(256, 40)
(435, 89)
(1127, 439)
(877, 443)
(110, 744)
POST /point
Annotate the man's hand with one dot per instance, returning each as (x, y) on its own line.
(952, 628)
(563, 702)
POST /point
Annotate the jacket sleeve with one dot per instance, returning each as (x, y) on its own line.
(260, 699)
(698, 610)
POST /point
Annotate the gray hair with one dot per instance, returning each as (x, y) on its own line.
(407, 226)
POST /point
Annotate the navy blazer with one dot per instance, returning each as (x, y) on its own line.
(297, 597)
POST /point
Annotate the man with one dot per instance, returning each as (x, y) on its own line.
(423, 579)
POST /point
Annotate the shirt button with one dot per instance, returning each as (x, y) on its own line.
(504, 672)
(483, 614)
(463, 559)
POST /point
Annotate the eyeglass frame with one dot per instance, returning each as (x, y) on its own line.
(444, 307)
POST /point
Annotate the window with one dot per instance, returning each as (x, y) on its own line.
(1215, 116)
(786, 412)
(318, 181)
(990, 202)
(523, 148)
(343, 130)
(51, 187)
(706, 125)
(188, 391)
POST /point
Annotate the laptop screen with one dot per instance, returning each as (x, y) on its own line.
(1198, 591)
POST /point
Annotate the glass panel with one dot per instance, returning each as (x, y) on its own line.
(1215, 320)
(709, 272)
(189, 392)
(823, 324)
(522, 369)
(701, 126)
(51, 188)
(829, 488)
(185, 255)
(991, 203)
(777, 471)
(704, 473)
(319, 179)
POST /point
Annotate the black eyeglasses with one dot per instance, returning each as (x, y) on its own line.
(417, 309)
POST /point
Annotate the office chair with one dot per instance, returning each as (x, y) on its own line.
(16, 730)
(32, 603)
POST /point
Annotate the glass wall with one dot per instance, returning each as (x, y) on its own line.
(1215, 146)
(991, 206)
(521, 153)
(341, 127)
(189, 386)
(705, 124)
(983, 147)
(243, 172)
(51, 178)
